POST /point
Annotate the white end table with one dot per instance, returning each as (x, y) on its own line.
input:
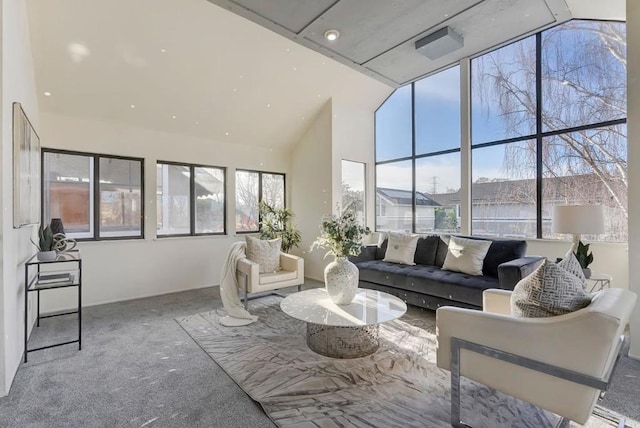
(343, 331)
(599, 281)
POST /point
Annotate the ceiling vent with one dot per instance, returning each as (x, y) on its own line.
(439, 43)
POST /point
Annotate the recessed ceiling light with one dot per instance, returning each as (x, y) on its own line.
(331, 35)
(295, 68)
(288, 50)
(268, 105)
(226, 133)
(163, 50)
(47, 94)
(235, 89)
(132, 106)
(241, 76)
(173, 117)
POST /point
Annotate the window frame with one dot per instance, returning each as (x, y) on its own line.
(539, 135)
(192, 200)
(94, 207)
(414, 156)
(260, 173)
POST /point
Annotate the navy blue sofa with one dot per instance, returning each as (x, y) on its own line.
(427, 285)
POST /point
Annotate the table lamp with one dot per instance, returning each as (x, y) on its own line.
(577, 220)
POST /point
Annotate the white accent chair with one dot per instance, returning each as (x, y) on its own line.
(561, 364)
(251, 281)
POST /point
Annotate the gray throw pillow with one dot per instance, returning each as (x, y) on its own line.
(572, 265)
(548, 291)
(264, 252)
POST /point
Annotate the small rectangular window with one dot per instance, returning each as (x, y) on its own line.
(70, 183)
(251, 188)
(190, 199)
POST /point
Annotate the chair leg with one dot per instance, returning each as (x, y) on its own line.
(299, 287)
(455, 387)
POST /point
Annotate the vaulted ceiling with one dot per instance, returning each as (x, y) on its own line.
(196, 68)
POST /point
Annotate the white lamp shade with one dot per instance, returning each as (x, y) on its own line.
(577, 219)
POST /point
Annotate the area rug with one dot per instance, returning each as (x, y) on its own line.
(398, 386)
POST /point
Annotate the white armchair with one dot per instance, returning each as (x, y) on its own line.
(251, 281)
(560, 363)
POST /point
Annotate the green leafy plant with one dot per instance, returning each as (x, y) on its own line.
(341, 234)
(45, 239)
(277, 223)
(585, 258)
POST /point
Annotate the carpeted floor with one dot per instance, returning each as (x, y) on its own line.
(138, 367)
(398, 386)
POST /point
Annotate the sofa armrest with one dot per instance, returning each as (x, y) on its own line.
(367, 254)
(496, 301)
(509, 273)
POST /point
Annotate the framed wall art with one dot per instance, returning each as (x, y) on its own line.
(26, 170)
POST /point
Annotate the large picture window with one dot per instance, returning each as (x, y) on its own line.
(190, 199)
(251, 188)
(418, 175)
(96, 196)
(548, 121)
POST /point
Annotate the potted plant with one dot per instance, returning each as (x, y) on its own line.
(585, 258)
(46, 242)
(276, 223)
(342, 236)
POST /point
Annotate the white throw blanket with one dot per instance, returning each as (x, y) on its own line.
(237, 315)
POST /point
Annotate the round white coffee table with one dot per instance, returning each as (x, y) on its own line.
(343, 331)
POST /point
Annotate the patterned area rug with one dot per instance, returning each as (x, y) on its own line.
(398, 386)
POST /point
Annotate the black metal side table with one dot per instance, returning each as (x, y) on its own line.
(63, 272)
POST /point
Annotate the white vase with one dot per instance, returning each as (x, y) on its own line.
(341, 279)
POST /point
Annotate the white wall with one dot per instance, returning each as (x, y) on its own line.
(353, 139)
(311, 191)
(633, 127)
(18, 84)
(122, 270)
(608, 257)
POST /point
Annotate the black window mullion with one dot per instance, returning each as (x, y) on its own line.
(259, 200)
(192, 199)
(413, 157)
(96, 197)
(539, 135)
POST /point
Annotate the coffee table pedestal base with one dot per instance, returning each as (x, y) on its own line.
(343, 342)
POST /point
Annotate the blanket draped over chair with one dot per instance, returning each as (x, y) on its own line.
(237, 315)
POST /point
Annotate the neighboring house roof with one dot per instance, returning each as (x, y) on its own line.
(575, 188)
(404, 197)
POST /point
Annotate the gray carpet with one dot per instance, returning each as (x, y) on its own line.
(398, 386)
(138, 366)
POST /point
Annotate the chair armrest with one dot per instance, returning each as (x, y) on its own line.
(496, 301)
(292, 263)
(367, 254)
(509, 273)
(589, 334)
(251, 270)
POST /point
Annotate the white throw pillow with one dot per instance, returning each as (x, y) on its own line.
(548, 291)
(264, 252)
(466, 255)
(401, 248)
